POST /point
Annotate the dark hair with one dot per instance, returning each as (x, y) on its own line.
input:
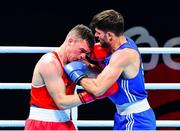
(85, 33)
(108, 20)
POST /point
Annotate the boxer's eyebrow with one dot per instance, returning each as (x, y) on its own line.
(84, 51)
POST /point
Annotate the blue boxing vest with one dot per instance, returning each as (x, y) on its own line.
(130, 90)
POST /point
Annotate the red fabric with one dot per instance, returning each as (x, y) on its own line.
(42, 125)
(70, 86)
(40, 96)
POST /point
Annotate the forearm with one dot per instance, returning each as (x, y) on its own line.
(99, 94)
(90, 85)
(69, 101)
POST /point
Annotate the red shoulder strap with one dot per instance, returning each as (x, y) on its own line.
(55, 53)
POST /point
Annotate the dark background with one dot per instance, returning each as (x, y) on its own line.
(46, 23)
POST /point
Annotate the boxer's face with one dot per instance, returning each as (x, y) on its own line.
(101, 37)
(79, 50)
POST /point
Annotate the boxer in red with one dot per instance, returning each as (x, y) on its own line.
(52, 93)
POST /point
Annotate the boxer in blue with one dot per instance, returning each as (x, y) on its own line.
(123, 65)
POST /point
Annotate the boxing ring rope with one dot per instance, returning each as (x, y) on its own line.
(89, 123)
(28, 49)
(148, 86)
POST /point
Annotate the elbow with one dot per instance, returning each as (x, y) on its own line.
(61, 106)
(98, 92)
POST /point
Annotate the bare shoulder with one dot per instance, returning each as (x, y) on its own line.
(131, 52)
(126, 53)
(47, 58)
(124, 56)
(49, 62)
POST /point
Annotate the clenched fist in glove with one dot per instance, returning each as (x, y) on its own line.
(98, 54)
(87, 97)
(76, 70)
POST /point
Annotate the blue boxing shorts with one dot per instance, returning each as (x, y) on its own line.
(138, 116)
(136, 121)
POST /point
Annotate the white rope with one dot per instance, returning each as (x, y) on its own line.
(110, 123)
(162, 86)
(160, 50)
(15, 86)
(148, 86)
(28, 49)
(25, 49)
(91, 123)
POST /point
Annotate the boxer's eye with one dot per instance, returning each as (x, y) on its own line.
(84, 51)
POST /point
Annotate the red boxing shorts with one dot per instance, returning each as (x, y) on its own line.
(43, 125)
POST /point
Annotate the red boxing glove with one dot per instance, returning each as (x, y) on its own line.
(113, 89)
(86, 97)
(100, 53)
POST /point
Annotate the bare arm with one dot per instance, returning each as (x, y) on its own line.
(109, 75)
(52, 75)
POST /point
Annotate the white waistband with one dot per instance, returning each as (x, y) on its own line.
(135, 107)
(49, 114)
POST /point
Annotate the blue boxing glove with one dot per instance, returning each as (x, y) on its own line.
(76, 70)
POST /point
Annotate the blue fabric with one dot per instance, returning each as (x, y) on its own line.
(132, 90)
(137, 121)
